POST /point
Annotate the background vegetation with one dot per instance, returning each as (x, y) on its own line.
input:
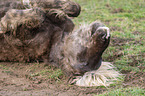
(126, 20)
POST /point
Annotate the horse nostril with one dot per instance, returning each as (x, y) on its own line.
(106, 32)
(104, 36)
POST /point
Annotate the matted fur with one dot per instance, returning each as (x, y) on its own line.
(31, 13)
(38, 35)
(31, 18)
(107, 74)
(65, 7)
(22, 35)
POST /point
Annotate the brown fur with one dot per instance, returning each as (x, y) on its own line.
(27, 43)
(52, 39)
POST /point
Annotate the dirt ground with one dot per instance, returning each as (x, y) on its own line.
(15, 80)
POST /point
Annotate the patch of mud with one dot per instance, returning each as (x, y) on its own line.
(115, 28)
(116, 55)
(115, 41)
(120, 10)
(116, 10)
(135, 79)
(136, 32)
(16, 80)
(137, 60)
(139, 33)
(118, 43)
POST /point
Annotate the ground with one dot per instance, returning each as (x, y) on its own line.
(21, 79)
(30, 79)
(126, 20)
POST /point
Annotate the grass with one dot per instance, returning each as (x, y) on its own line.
(47, 72)
(125, 92)
(126, 20)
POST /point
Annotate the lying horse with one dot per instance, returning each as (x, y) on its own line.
(41, 30)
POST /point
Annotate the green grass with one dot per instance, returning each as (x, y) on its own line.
(47, 72)
(126, 20)
(124, 92)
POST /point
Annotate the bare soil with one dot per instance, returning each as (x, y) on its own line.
(135, 79)
(16, 80)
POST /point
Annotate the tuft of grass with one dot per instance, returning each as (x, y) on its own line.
(56, 74)
(3, 67)
(48, 72)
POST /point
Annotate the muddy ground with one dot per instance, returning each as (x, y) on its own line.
(16, 80)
